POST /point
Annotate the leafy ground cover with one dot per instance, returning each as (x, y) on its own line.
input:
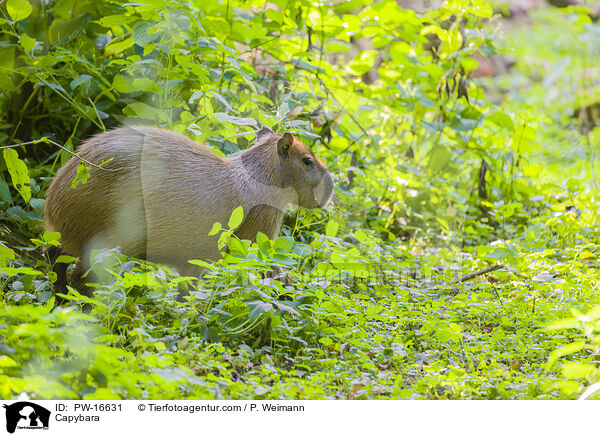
(439, 174)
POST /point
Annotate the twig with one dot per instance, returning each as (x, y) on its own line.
(45, 139)
(479, 273)
(228, 359)
(365, 133)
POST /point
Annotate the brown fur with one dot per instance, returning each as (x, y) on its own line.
(163, 208)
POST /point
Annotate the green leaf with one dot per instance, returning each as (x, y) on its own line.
(283, 244)
(502, 120)
(18, 9)
(140, 33)
(201, 263)
(18, 173)
(7, 362)
(263, 243)
(6, 254)
(27, 42)
(63, 31)
(5, 192)
(51, 237)
(440, 157)
(223, 117)
(223, 239)
(236, 218)
(286, 308)
(215, 229)
(564, 351)
(563, 324)
(79, 80)
(338, 144)
(331, 228)
(360, 236)
(237, 247)
(82, 176)
(257, 308)
(522, 139)
(118, 45)
(142, 110)
(11, 272)
(574, 370)
(499, 253)
(115, 20)
(38, 205)
(65, 259)
(455, 40)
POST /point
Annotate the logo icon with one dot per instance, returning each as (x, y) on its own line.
(26, 415)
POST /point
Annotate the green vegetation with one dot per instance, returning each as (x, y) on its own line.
(439, 174)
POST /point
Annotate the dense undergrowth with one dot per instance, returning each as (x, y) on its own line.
(438, 174)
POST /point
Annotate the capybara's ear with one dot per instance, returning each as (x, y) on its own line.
(264, 130)
(284, 144)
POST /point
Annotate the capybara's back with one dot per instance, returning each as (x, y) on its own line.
(160, 202)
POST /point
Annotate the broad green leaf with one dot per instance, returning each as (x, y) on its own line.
(223, 117)
(363, 62)
(338, 144)
(575, 370)
(65, 259)
(27, 42)
(567, 323)
(439, 159)
(331, 228)
(237, 247)
(286, 308)
(481, 8)
(7, 362)
(201, 263)
(140, 33)
(118, 45)
(115, 20)
(564, 351)
(38, 205)
(522, 139)
(257, 308)
(360, 235)
(5, 194)
(18, 9)
(142, 110)
(283, 244)
(18, 172)
(79, 80)
(215, 229)
(455, 40)
(499, 253)
(502, 120)
(63, 31)
(236, 218)
(568, 387)
(223, 239)
(6, 254)
(12, 271)
(263, 243)
(51, 237)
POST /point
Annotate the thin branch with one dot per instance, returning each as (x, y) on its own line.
(479, 273)
(49, 141)
(365, 133)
